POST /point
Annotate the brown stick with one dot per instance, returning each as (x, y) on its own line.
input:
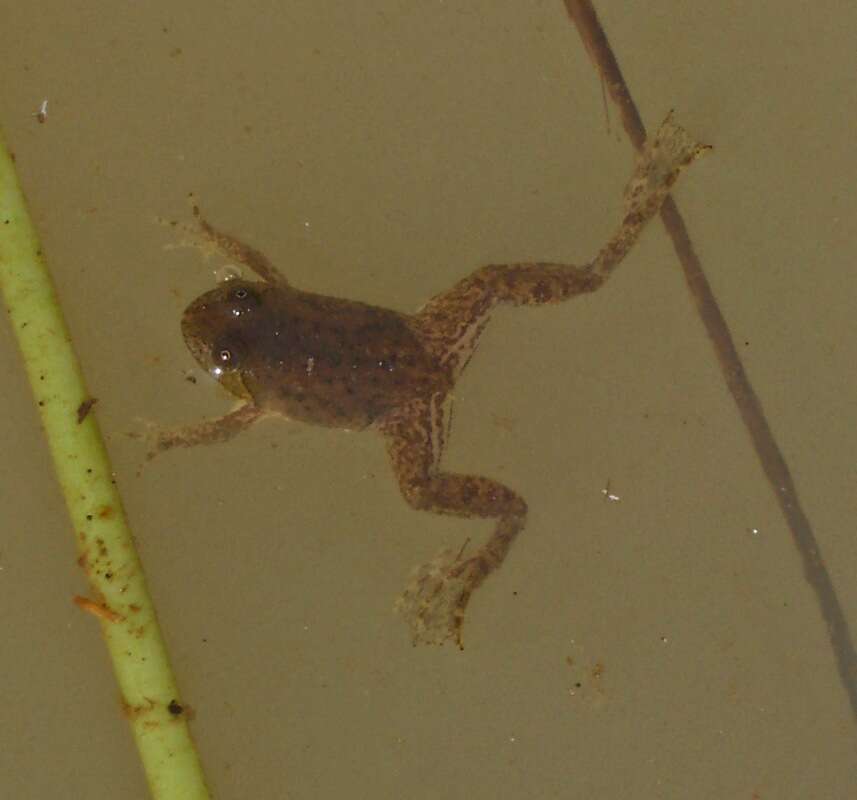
(770, 456)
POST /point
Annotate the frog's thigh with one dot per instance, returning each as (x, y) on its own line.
(413, 447)
(209, 431)
(452, 321)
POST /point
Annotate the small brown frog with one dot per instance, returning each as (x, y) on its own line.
(345, 364)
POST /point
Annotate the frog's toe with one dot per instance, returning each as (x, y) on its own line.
(146, 431)
(156, 439)
(188, 236)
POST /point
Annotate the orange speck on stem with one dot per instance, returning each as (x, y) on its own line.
(96, 609)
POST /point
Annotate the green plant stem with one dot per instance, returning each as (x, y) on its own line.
(120, 599)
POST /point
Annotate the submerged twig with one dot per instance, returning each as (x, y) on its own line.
(122, 604)
(768, 452)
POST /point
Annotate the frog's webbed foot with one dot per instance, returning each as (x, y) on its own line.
(666, 153)
(434, 602)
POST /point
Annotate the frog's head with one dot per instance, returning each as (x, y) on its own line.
(215, 327)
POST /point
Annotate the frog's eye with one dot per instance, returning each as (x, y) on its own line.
(242, 299)
(244, 295)
(225, 356)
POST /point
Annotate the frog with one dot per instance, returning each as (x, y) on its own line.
(293, 354)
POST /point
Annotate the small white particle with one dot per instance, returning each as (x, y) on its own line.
(42, 114)
(608, 495)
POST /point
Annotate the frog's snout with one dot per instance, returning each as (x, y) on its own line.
(200, 328)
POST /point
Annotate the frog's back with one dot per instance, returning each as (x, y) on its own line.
(335, 362)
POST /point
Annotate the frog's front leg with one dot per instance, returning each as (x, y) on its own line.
(209, 431)
(233, 247)
(207, 239)
(436, 599)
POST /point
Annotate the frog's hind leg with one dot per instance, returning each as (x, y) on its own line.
(452, 322)
(205, 237)
(435, 601)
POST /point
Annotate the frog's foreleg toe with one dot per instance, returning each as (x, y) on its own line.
(148, 432)
(195, 237)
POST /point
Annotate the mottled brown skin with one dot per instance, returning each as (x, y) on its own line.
(309, 357)
(345, 364)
